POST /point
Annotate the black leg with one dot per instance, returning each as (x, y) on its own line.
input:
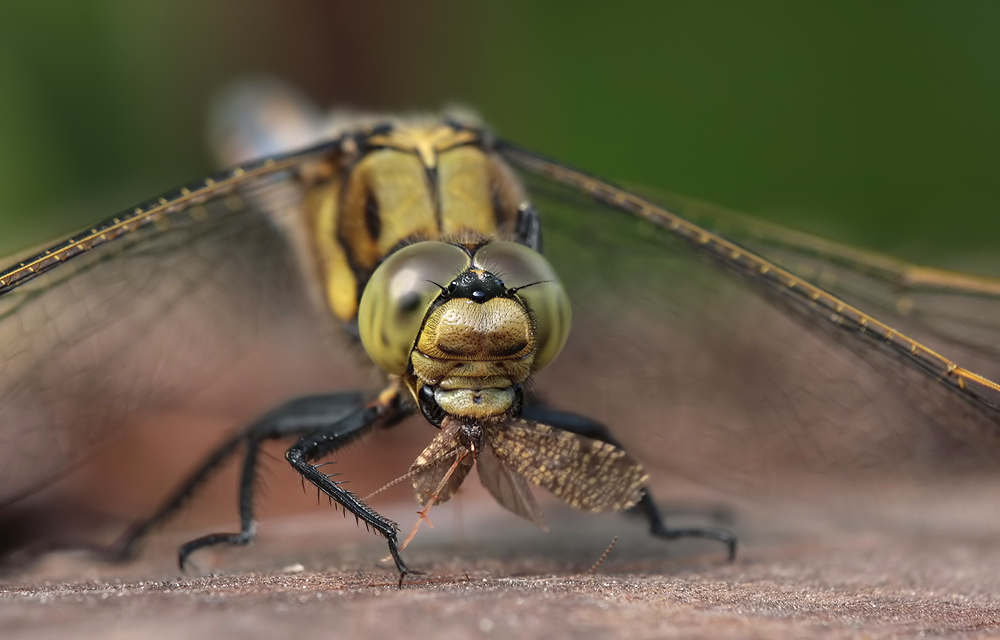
(335, 437)
(299, 416)
(646, 506)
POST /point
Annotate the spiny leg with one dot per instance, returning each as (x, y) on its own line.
(337, 436)
(646, 506)
(302, 415)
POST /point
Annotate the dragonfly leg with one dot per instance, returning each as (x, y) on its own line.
(294, 418)
(335, 437)
(646, 506)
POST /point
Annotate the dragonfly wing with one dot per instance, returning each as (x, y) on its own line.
(714, 374)
(143, 315)
(953, 312)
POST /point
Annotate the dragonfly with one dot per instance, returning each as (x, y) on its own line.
(700, 341)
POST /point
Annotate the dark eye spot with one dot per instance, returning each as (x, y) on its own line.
(373, 221)
(409, 302)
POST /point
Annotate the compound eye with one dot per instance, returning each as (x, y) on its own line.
(539, 289)
(398, 296)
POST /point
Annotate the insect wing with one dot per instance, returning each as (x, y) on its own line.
(957, 313)
(441, 468)
(149, 311)
(509, 488)
(587, 474)
(712, 373)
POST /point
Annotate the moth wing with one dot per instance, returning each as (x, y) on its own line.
(509, 488)
(585, 473)
(430, 471)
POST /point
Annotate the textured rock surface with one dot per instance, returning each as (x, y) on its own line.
(496, 577)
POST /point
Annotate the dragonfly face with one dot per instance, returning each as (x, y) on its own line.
(418, 237)
(465, 349)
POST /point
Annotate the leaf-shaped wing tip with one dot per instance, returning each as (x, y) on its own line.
(587, 474)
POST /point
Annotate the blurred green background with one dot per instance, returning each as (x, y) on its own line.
(874, 123)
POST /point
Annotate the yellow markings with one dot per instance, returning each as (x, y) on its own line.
(140, 218)
(975, 377)
(735, 255)
(426, 142)
(237, 172)
(388, 395)
(764, 268)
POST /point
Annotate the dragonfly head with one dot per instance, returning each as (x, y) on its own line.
(464, 328)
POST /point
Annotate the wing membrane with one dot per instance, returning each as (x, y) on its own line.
(767, 274)
(145, 310)
(441, 468)
(956, 308)
(587, 474)
(741, 381)
(508, 487)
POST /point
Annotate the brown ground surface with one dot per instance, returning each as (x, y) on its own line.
(489, 575)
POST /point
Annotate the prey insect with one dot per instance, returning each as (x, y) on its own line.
(424, 244)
